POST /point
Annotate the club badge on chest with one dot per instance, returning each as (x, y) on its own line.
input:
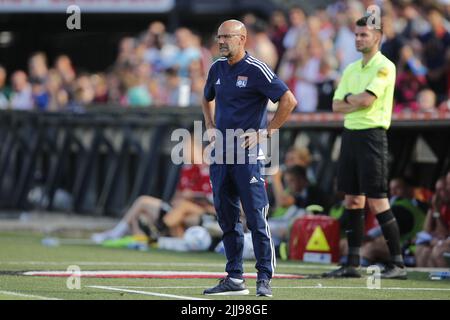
(241, 81)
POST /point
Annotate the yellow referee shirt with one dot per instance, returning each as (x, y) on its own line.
(378, 77)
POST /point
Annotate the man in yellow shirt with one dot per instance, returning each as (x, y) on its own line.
(365, 96)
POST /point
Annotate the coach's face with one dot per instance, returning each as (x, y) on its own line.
(230, 39)
(366, 39)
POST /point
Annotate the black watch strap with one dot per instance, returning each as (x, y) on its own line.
(346, 97)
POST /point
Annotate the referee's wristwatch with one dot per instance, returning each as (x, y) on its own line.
(346, 97)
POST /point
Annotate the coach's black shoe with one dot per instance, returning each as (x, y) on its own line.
(263, 288)
(394, 272)
(228, 287)
(343, 272)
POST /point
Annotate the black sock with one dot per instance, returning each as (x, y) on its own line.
(391, 233)
(355, 233)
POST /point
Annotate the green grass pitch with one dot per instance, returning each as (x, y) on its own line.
(20, 252)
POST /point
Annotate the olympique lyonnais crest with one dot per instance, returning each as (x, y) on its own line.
(241, 81)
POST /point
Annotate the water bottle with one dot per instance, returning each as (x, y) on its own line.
(138, 246)
(50, 242)
(440, 275)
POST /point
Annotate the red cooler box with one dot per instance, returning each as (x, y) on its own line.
(314, 239)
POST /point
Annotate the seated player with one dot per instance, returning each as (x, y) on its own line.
(192, 198)
(434, 240)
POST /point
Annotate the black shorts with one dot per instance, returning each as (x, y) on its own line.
(363, 163)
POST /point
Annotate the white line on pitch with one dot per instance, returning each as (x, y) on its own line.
(297, 287)
(165, 287)
(183, 264)
(382, 288)
(147, 293)
(189, 264)
(12, 293)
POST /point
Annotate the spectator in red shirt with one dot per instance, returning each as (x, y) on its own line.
(193, 197)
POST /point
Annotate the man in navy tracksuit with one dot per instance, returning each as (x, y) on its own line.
(241, 86)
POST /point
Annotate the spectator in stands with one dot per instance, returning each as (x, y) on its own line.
(434, 240)
(260, 46)
(446, 8)
(21, 96)
(125, 57)
(445, 106)
(196, 70)
(64, 67)
(307, 76)
(38, 73)
(41, 97)
(197, 86)
(137, 84)
(58, 96)
(205, 56)
(297, 19)
(345, 38)
(100, 87)
(326, 83)
(411, 21)
(160, 52)
(436, 45)
(316, 29)
(37, 67)
(409, 82)
(426, 100)
(5, 90)
(327, 31)
(115, 87)
(177, 89)
(189, 51)
(416, 39)
(84, 91)
(249, 19)
(392, 43)
(277, 30)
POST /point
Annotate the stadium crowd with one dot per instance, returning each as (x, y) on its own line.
(307, 50)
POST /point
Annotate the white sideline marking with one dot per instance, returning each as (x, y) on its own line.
(147, 293)
(12, 293)
(165, 287)
(189, 264)
(151, 274)
(297, 287)
(382, 288)
(157, 264)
